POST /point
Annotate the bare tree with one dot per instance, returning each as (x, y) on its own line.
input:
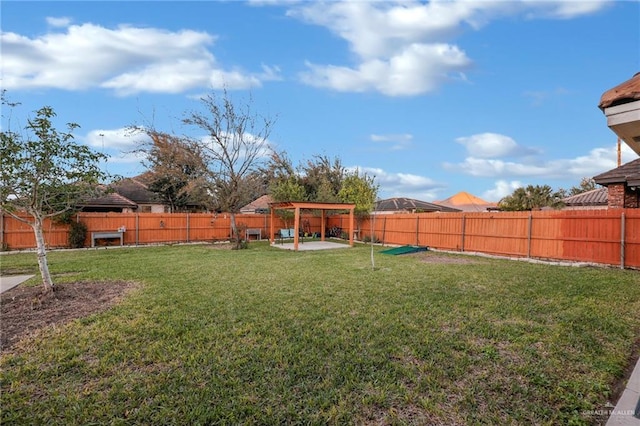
(236, 148)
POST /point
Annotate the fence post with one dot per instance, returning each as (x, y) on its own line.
(137, 228)
(2, 229)
(464, 224)
(187, 226)
(530, 226)
(622, 239)
(417, 231)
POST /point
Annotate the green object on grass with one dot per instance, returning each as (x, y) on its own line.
(404, 250)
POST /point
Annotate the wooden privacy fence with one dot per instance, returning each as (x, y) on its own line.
(609, 237)
(145, 228)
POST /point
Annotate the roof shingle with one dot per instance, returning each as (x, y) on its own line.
(595, 197)
(628, 173)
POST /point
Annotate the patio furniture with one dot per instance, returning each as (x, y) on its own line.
(106, 235)
(256, 232)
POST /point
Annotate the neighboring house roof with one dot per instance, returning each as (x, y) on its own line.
(126, 193)
(628, 91)
(467, 203)
(110, 200)
(259, 204)
(410, 205)
(595, 197)
(628, 173)
(135, 190)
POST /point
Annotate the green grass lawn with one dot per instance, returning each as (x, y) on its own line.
(267, 336)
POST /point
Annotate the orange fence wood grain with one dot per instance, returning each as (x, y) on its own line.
(610, 237)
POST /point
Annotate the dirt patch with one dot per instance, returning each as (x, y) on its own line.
(25, 310)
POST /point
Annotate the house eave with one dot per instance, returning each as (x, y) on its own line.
(624, 121)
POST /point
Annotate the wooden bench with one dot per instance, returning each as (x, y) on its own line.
(256, 232)
(106, 235)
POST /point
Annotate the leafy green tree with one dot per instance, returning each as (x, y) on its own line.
(287, 190)
(322, 178)
(283, 183)
(45, 174)
(586, 184)
(361, 190)
(531, 198)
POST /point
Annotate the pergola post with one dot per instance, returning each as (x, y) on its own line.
(296, 229)
(351, 229)
(271, 230)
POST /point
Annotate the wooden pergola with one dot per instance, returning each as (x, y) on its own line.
(297, 206)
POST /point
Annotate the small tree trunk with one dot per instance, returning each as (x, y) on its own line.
(47, 282)
(234, 230)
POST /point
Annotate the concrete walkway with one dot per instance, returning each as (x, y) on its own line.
(9, 282)
(627, 410)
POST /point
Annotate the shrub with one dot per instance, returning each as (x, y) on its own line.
(77, 234)
(367, 239)
(240, 245)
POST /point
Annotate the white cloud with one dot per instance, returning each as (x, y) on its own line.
(403, 184)
(396, 142)
(564, 9)
(627, 154)
(378, 29)
(118, 145)
(126, 59)
(418, 68)
(398, 137)
(482, 167)
(491, 145)
(114, 139)
(58, 21)
(501, 189)
(403, 48)
(596, 161)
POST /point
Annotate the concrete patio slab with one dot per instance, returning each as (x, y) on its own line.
(9, 282)
(311, 245)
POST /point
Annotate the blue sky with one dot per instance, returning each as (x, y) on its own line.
(431, 98)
